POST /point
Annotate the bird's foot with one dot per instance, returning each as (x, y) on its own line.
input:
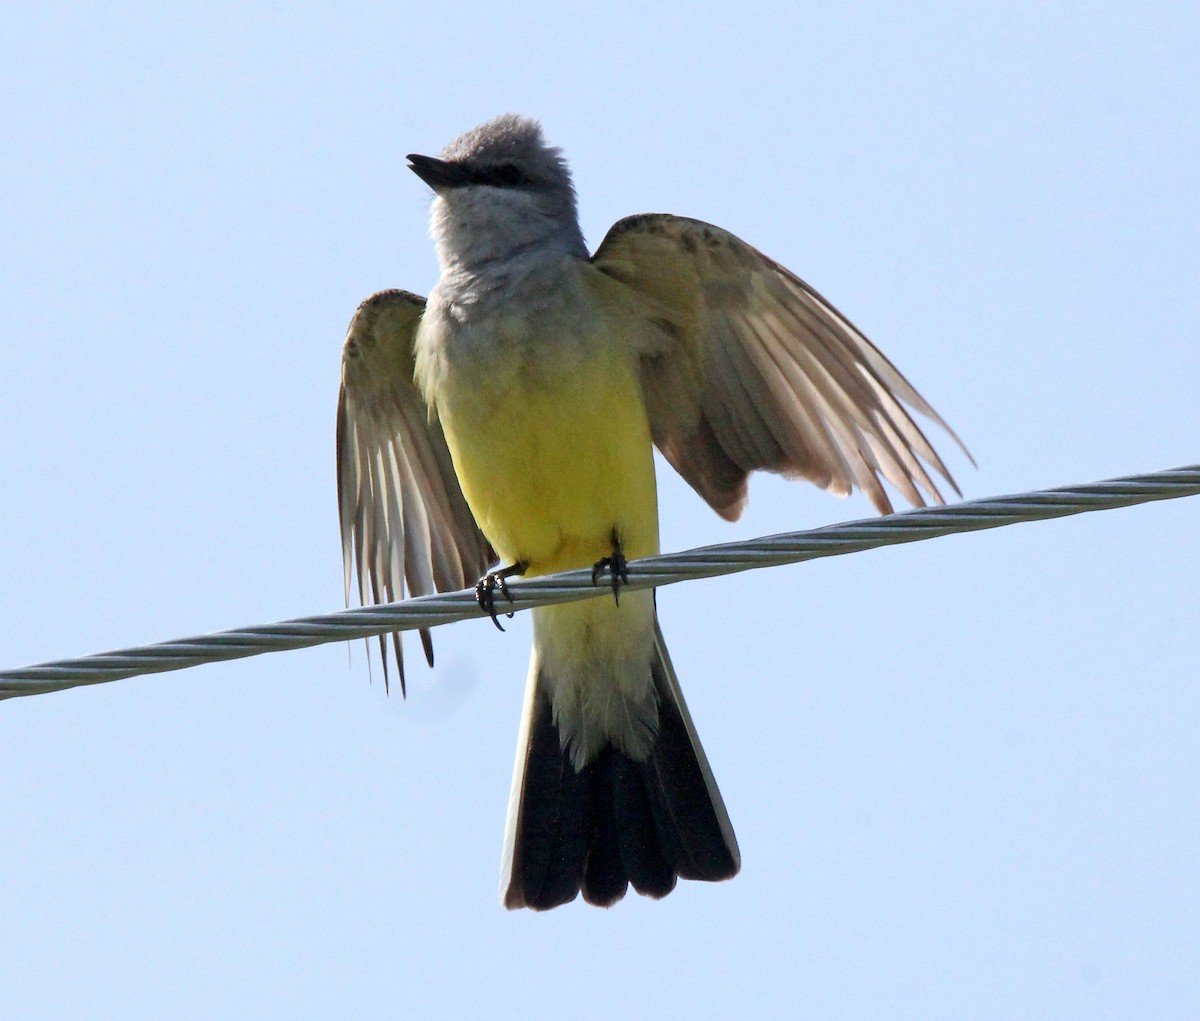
(615, 565)
(493, 582)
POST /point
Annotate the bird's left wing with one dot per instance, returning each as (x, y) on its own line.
(753, 369)
(403, 515)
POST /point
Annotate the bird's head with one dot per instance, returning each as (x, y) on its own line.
(500, 190)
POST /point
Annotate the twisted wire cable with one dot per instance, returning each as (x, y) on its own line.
(650, 572)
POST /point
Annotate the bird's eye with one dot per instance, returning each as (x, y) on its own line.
(510, 173)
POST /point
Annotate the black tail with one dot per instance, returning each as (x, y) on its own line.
(616, 821)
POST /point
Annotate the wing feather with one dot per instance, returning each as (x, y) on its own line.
(759, 371)
(405, 523)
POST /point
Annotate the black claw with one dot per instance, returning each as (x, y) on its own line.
(617, 567)
(493, 581)
(485, 590)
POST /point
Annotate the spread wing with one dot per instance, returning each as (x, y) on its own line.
(757, 370)
(403, 515)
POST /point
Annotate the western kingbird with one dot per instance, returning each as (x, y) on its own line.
(512, 416)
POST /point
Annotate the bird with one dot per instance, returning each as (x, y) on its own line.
(505, 426)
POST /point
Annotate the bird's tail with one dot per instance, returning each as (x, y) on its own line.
(616, 821)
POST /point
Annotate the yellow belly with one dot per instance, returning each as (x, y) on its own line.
(553, 463)
(554, 455)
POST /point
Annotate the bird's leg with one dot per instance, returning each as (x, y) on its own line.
(615, 565)
(485, 588)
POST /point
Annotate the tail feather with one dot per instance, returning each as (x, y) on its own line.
(699, 843)
(643, 845)
(605, 874)
(551, 844)
(616, 821)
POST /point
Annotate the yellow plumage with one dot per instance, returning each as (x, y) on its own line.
(549, 467)
(553, 456)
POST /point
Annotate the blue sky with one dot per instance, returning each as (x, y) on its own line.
(963, 773)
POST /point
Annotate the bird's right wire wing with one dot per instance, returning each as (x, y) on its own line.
(404, 520)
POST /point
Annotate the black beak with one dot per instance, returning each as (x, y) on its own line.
(438, 174)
